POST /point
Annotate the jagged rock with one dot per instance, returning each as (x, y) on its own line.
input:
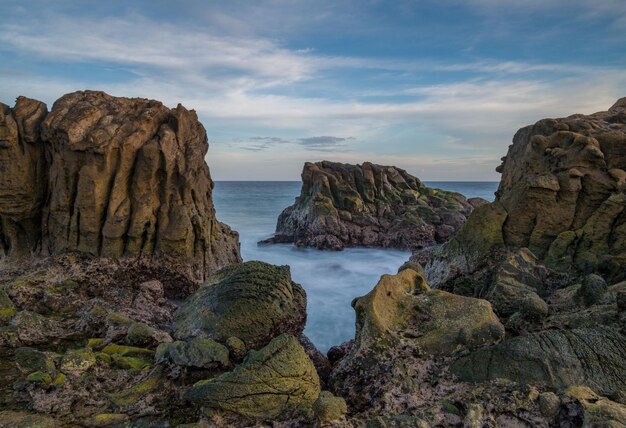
(276, 382)
(108, 176)
(561, 196)
(23, 175)
(595, 357)
(253, 301)
(403, 309)
(342, 205)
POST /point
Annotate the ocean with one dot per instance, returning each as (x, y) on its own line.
(331, 279)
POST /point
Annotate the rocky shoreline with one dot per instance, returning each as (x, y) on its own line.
(124, 302)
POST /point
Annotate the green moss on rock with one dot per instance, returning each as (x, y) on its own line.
(253, 301)
(77, 361)
(276, 382)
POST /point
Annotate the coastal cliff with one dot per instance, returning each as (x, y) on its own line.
(112, 177)
(369, 205)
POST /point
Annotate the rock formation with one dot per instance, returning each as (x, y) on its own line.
(276, 382)
(561, 196)
(342, 205)
(253, 302)
(107, 176)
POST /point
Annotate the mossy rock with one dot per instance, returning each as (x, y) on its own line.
(7, 309)
(253, 301)
(103, 358)
(107, 420)
(598, 411)
(276, 382)
(130, 363)
(42, 378)
(132, 395)
(30, 360)
(95, 342)
(127, 351)
(403, 308)
(12, 419)
(202, 353)
(142, 334)
(77, 361)
(328, 408)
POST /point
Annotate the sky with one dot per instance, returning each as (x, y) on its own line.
(437, 87)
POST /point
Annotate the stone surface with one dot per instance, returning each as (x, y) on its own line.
(597, 411)
(253, 301)
(328, 408)
(595, 357)
(23, 176)
(204, 353)
(561, 196)
(342, 205)
(276, 382)
(403, 309)
(108, 176)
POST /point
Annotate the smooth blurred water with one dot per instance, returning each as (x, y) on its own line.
(331, 279)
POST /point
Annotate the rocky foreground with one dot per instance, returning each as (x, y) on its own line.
(509, 325)
(342, 205)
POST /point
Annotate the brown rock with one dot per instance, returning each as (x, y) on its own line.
(561, 195)
(342, 205)
(121, 178)
(22, 176)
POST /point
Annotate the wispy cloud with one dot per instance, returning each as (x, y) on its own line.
(244, 79)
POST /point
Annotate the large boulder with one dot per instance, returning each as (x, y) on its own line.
(342, 205)
(109, 176)
(595, 357)
(253, 301)
(402, 309)
(276, 382)
(561, 196)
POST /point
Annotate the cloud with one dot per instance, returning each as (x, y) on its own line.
(319, 144)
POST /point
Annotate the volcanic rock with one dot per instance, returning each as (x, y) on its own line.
(342, 205)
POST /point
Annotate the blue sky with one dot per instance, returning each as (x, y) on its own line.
(436, 87)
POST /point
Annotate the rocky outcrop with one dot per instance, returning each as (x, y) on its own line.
(253, 302)
(276, 382)
(561, 196)
(403, 309)
(595, 357)
(342, 205)
(23, 173)
(108, 176)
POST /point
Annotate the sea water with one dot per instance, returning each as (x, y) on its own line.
(331, 279)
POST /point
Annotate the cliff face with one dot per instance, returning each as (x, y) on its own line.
(342, 205)
(562, 195)
(112, 177)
